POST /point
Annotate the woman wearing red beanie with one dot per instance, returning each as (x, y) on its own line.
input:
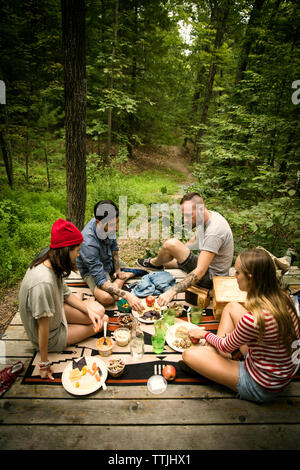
(52, 315)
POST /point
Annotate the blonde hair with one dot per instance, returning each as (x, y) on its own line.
(264, 294)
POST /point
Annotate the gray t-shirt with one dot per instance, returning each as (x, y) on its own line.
(217, 238)
(42, 294)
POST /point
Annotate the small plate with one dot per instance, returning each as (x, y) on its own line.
(88, 383)
(157, 384)
(146, 309)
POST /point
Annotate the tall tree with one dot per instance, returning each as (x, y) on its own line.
(111, 78)
(219, 13)
(73, 41)
(249, 38)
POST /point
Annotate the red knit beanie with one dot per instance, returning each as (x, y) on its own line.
(64, 233)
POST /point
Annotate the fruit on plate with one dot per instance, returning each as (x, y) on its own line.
(150, 300)
(193, 339)
(169, 372)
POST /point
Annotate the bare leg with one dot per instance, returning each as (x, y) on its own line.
(80, 326)
(172, 250)
(207, 362)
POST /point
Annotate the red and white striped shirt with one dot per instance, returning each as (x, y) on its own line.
(269, 365)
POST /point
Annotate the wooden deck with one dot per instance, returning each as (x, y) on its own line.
(206, 417)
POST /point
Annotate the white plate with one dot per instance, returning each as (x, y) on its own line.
(88, 383)
(170, 335)
(139, 316)
(157, 384)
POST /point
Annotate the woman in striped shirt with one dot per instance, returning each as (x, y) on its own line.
(266, 331)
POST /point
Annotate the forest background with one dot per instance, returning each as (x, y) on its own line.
(217, 80)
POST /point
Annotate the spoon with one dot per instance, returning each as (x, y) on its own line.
(105, 329)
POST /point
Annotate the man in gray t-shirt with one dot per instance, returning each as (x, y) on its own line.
(213, 242)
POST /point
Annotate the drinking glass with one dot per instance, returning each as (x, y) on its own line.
(196, 315)
(137, 347)
(169, 316)
(160, 327)
(158, 343)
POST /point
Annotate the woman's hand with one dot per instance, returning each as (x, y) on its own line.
(197, 333)
(45, 370)
(95, 317)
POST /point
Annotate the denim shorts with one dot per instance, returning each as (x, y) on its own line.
(249, 390)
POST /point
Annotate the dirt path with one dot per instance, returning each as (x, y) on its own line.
(166, 157)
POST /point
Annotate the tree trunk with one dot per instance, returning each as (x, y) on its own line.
(220, 31)
(73, 42)
(7, 160)
(131, 117)
(248, 39)
(111, 79)
(6, 149)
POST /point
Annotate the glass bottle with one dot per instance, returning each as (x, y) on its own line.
(137, 341)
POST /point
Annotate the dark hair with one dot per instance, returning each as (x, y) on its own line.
(190, 196)
(59, 258)
(107, 202)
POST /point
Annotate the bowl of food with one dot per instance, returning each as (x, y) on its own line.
(116, 367)
(123, 306)
(126, 320)
(105, 346)
(122, 336)
(179, 309)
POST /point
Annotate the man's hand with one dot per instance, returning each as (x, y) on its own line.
(123, 275)
(134, 302)
(166, 297)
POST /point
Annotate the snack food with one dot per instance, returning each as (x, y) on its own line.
(150, 314)
(182, 340)
(179, 309)
(153, 314)
(116, 367)
(126, 320)
(122, 336)
(77, 373)
(182, 343)
(105, 349)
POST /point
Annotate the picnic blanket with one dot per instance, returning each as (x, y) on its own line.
(136, 372)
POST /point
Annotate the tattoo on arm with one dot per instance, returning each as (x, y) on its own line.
(113, 290)
(115, 255)
(188, 281)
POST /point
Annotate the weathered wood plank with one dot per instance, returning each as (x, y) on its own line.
(112, 438)
(136, 392)
(16, 319)
(14, 332)
(146, 412)
(19, 390)
(16, 348)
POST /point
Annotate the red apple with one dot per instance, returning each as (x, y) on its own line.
(194, 340)
(169, 372)
(150, 300)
